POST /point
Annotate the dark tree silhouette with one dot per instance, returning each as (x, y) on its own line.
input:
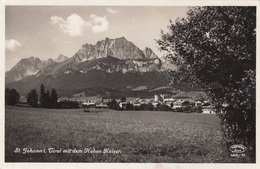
(6, 94)
(32, 98)
(215, 48)
(113, 104)
(42, 96)
(47, 99)
(11, 96)
(54, 98)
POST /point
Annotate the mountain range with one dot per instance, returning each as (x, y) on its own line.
(111, 66)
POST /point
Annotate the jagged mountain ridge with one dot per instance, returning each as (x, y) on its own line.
(94, 65)
(119, 48)
(30, 66)
(132, 58)
(26, 67)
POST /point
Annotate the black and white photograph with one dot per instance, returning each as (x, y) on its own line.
(130, 84)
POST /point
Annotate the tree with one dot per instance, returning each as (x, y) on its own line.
(113, 105)
(42, 96)
(32, 98)
(54, 98)
(129, 106)
(11, 96)
(47, 100)
(215, 48)
(67, 104)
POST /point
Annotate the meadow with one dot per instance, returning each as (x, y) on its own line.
(52, 135)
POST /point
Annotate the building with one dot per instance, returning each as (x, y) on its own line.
(169, 102)
(158, 97)
(101, 106)
(177, 104)
(208, 109)
(122, 105)
(88, 104)
(182, 105)
(198, 103)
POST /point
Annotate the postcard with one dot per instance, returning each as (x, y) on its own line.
(149, 84)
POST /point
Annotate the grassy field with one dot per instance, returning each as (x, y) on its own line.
(130, 136)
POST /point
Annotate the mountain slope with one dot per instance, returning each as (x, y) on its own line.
(71, 81)
(26, 67)
(110, 63)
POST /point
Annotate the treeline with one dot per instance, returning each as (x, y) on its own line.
(45, 100)
(11, 96)
(68, 104)
(49, 100)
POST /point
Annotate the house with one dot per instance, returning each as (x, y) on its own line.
(198, 103)
(122, 105)
(106, 100)
(177, 104)
(101, 106)
(88, 104)
(169, 101)
(136, 105)
(208, 109)
(158, 97)
(181, 103)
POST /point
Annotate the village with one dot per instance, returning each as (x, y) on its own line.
(178, 101)
(161, 84)
(159, 102)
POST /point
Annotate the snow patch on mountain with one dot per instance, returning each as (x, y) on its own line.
(30, 72)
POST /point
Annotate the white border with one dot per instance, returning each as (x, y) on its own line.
(3, 3)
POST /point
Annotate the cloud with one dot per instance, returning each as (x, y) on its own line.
(75, 25)
(111, 11)
(99, 24)
(12, 44)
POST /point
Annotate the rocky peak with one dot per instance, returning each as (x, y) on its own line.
(119, 48)
(121, 39)
(24, 68)
(50, 62)
(34, 59)
(31, 61)
(61, 58)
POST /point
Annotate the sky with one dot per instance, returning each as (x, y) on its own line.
(47, 31)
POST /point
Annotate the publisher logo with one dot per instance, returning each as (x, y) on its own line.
(237, 150)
